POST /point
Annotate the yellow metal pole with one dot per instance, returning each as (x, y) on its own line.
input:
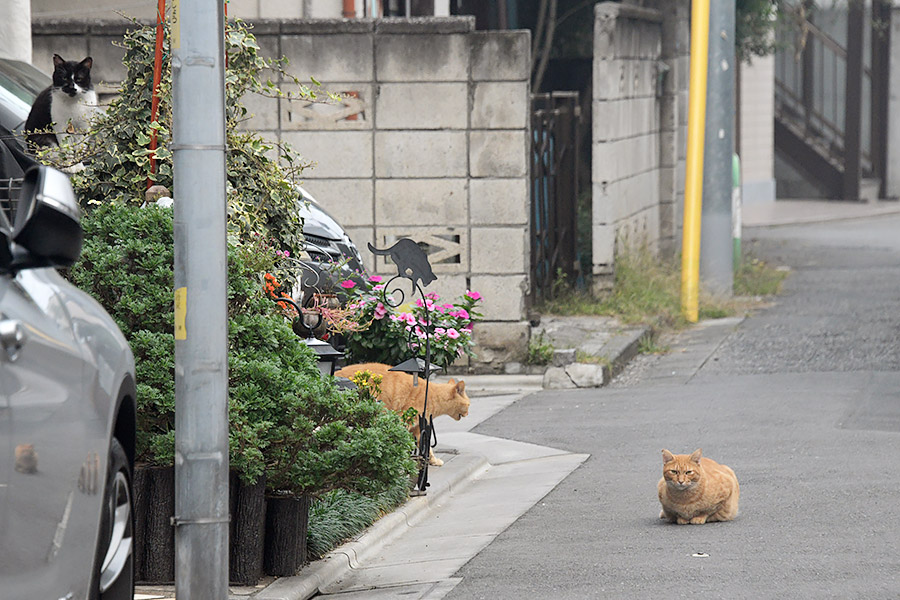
(693, 185)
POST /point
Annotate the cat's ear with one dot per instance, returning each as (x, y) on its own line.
(87, 63)
(461, 387)
(667, 456)
(58, 60)
(697, 455)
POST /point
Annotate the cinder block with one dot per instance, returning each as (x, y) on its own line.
(108, 66)
(498, 153)
(504, 296)
(644, 74)
(280, 9)
(267, 40)
(348, 200)
(421, 58)
(609, 119)
(601, 209)
(447, 286)
(499, 201)
(335, 57)
(352, 111)
(604, 244)
(69, 47)
(418, 201)
(420, 154)
(422, 106)
(667, 184)
(608, 79)
(500, 342)
(500, 105)
(604, 35)
(336, 154)
(447, 246)
(605, 163)
(263, 113)
(501, 55)
(499, 250)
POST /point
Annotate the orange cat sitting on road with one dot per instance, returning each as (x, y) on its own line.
(695, 489)
(399, 394)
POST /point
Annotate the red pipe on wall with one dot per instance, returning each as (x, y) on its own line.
(157, 75)
(349, 9)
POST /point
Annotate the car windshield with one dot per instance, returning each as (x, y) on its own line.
(22, 80)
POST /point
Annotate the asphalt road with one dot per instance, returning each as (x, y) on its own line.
(802, 400)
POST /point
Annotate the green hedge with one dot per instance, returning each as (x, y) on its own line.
(286, 420)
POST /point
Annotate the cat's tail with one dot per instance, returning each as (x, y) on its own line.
(385, 252)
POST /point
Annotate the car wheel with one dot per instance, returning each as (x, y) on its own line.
(115, 556)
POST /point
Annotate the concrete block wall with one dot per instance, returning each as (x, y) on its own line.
(673, 101)
(628, 159)
(431, 144)
(757, 129)
(146, 9)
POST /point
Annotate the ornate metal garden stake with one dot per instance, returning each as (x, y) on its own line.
(412, 263)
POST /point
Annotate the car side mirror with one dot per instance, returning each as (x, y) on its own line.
(48, 220)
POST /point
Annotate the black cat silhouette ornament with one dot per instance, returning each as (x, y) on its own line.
(411, 260)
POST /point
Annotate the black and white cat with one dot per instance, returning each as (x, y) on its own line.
(65, 108)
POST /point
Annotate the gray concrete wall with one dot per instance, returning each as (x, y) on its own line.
(433, 144)
(637, 137)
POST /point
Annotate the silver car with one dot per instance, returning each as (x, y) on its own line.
(67, 412)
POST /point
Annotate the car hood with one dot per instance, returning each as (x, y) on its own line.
(317, 221)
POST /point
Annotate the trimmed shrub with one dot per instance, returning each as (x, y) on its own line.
(286, 419)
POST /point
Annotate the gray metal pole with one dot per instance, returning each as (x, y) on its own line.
(716, 244)
(201, 327)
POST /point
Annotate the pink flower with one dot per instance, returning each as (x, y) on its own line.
(409, 318)
(452, 333)
(380, 311)
(348, 284)
(378, 287)
(461, 313)
(473, 295)
(432, 295)
(439, 331)
(419, 303)
(375, 278)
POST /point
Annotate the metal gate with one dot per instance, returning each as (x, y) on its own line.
(556, 137)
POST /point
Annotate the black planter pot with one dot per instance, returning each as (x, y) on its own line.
(287, 522)
(154, 543)
(154, 536)
(247, 535)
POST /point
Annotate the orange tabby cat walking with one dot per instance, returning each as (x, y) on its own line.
(695, 489)
(398, 393)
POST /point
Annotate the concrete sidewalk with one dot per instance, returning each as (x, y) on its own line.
(793, 212)
(484, 485)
